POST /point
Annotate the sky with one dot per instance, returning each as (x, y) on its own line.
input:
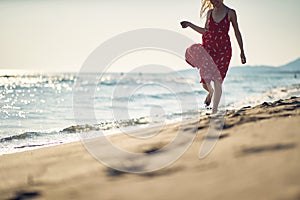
(59, 35)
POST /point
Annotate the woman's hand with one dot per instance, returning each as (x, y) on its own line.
(185, 24)
(243, 57)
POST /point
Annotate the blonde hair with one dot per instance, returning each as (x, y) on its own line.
(206, 4)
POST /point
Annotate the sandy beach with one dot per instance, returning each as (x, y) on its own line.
(257, 156)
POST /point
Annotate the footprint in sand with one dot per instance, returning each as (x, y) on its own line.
(26, 194)
(266, 148)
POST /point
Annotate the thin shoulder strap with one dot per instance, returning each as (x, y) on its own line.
(227, 13)
(211, 13)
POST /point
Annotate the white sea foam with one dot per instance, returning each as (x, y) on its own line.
(37, 109)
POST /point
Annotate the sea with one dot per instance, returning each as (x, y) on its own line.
(46, 109)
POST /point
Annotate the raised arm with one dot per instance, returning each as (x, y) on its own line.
(186, 24)
(238, 35)
(200, 30)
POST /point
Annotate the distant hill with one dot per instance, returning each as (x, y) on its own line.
(293, 66)
(257, 68)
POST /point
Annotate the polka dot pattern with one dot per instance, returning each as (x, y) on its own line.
(212, 58)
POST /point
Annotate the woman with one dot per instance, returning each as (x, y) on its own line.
(215, 52)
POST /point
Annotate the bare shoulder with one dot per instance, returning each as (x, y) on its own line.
(231, 13)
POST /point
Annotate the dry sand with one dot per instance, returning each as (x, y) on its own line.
(256, 157)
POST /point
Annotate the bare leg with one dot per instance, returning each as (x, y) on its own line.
(210, 91)
(217, 96)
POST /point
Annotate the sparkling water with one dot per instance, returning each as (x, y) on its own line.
(37, 109)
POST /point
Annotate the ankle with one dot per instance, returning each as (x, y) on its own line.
(214, 111)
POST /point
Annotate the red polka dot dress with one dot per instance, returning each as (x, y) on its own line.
(212, 58)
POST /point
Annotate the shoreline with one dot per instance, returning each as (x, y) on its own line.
(256, 156)
(25, 145)
(153, 126)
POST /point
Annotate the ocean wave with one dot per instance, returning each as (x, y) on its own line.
(107, 125)
(102, 126)
(28, 99)
(36, 145)
(22, 136)
(157, 96)
(282, 92)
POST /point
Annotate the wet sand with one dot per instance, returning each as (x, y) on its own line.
(257, 156)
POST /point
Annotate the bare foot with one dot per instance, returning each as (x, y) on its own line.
(208, 99)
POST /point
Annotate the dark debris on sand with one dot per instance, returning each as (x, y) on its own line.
(266, 110)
